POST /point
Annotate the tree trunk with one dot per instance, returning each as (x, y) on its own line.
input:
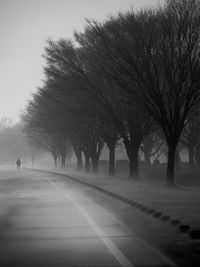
(132, 153)
(55, 162)
(95, 160)
(170, 167)
(191, 156)
(79, 161)
(87, 162)
(95, 165)
(78, 154)
(133, 161)
(111, 170)
(63, 157)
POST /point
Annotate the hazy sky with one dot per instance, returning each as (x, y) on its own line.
(24, 27)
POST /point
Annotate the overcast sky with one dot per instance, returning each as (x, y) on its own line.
(24, 27)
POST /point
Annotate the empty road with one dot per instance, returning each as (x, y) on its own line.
(49, 220)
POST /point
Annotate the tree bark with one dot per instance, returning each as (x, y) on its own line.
(55, 162)
(95, 164)
(133, 168)
(78, 154)
(170, 167)
(132, 153)
(95, 159)
(133, 161)
(87, 162)
(79, 161)
(111, 170)
(63, 158)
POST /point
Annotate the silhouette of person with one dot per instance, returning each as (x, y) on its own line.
(18, 162)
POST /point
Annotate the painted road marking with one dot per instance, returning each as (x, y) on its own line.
(100, 233)
(121, 258)
(144, 243)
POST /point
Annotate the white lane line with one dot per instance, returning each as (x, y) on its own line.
(145, 244)
(121, 258)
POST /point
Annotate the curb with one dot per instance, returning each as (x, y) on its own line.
(149, 211)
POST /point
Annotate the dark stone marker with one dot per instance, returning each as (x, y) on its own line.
(195, 234)
(184, 228)
(144, 208)
(157, 214)
(175, 221)
(151, 210)
(165, 217)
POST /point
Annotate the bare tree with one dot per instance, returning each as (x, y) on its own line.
(154, 56)
(41, 140)
(151, 146)
(191, 136)
(132, 123)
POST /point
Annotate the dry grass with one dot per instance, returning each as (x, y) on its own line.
(181, 202)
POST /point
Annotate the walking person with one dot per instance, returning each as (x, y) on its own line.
(18, 163)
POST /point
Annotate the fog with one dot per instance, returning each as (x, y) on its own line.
(103, 167)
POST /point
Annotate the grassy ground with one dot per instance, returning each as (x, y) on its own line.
(181, 202)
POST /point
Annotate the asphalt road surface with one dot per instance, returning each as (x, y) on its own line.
(49, 220)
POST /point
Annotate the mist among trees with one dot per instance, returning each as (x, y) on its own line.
(14, 144)
(133, 78)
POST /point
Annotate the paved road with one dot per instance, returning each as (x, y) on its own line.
(48, 220)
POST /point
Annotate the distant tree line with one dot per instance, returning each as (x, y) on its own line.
(134, 77)
(13, 143)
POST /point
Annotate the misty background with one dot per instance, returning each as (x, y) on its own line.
(25, 30)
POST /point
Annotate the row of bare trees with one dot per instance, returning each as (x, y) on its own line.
(13, 144)
(133, 75)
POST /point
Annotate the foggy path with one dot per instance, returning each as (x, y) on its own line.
(52, 221)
